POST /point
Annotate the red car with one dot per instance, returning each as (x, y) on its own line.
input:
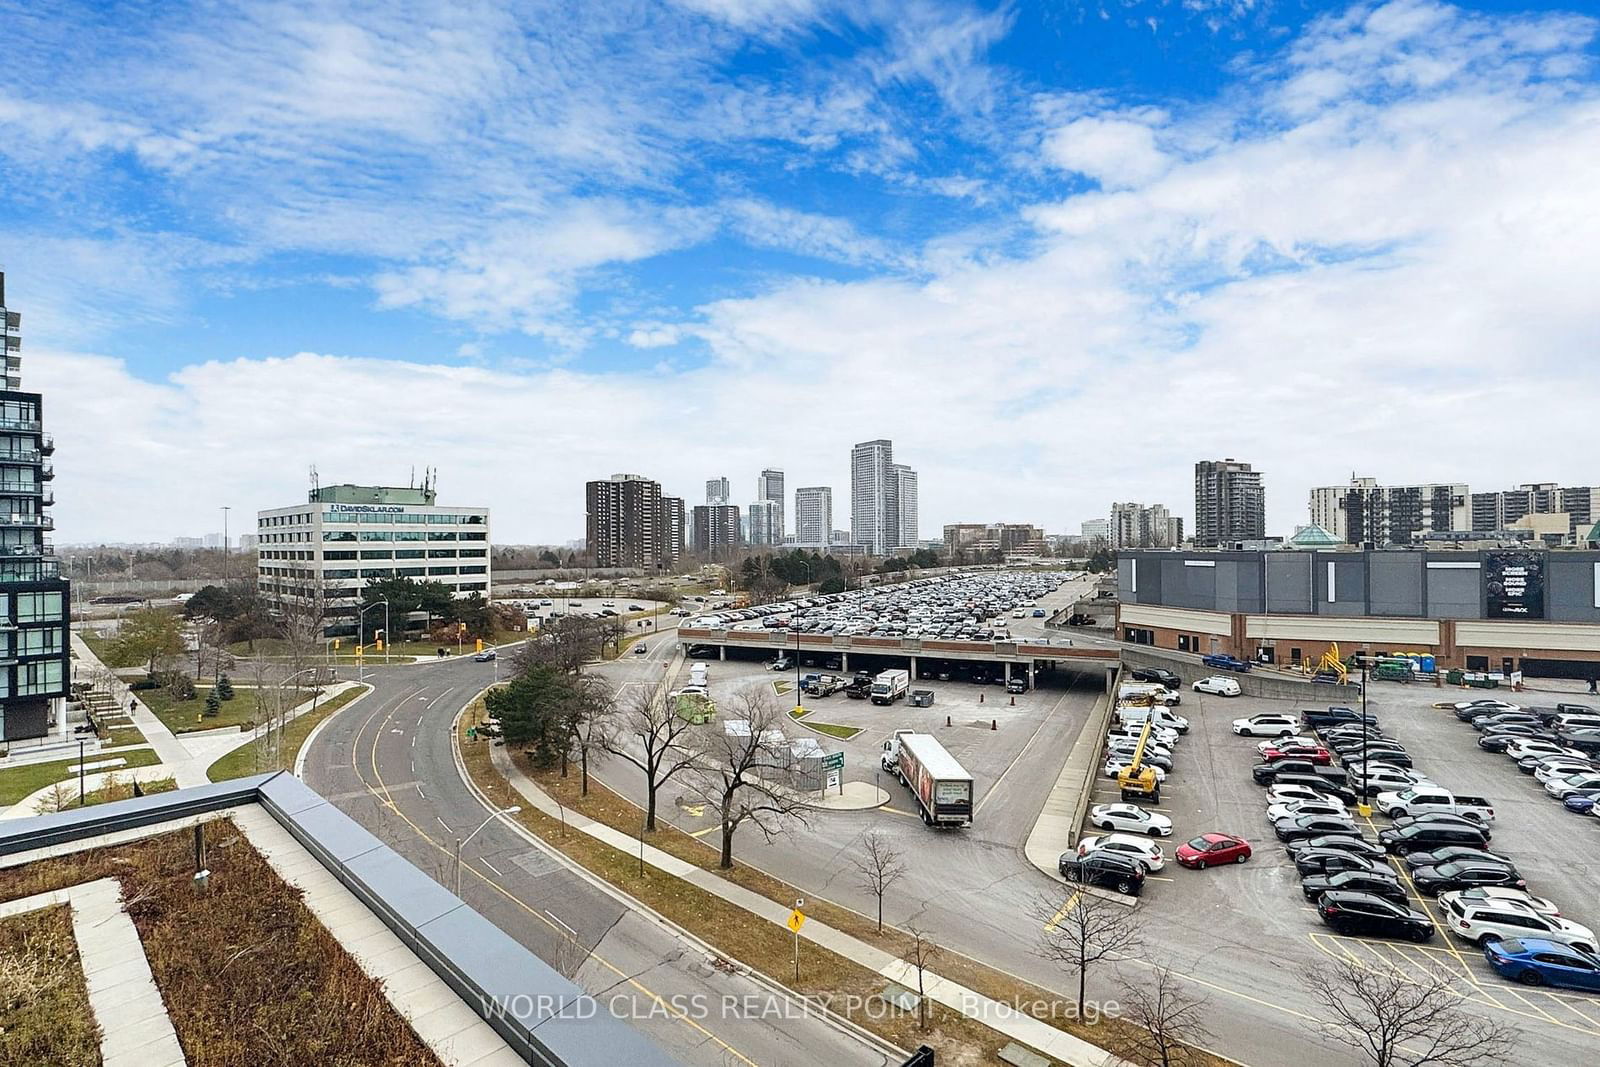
(1209, 850)
(1315, 753)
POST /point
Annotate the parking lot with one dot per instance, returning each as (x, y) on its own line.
(1252, 925)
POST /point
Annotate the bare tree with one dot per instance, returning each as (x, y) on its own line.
(1085, 930)
(591, 721)
(1404, 1018)
(646, 733)
(565, 644)
(743, 770)
(1167, 1022)
(880, 867)
(920, 954)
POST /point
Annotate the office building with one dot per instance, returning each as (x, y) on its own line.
(34, 599)
(964, 541)
(905, 499)
(188, 544)
(813, 515)
(1492, 512)
(318, 556)
(769, 486)
(762, 519)
(1095, 529)
(1134, 525)
(874, 507)
(247, 542)
(1366, 513)
(1230, 503)
(715, 528)
(718, 491)
(626, 523)
(961, 537)
(674, 529)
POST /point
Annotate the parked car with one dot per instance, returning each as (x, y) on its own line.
(1377, 881)
(1420, 799)
(1267, 724)
(1581, 802)
(1312, 826)
(1363, 913)
(1466, 709)
(1534, 961)
(1561, 767)
(1495, 920)
(1264, 773)
(1130, 818)
(1335, 716)
(1501, 737)
(1354, 844)
(1441, 818)
(1223, 662)
(1500, 893)
(1449, 853)
(1142, 849)
(1319, 783)
(1423, 836)
(1115, 765)
(1211, 850)
(1561, 788)
(1482, 723)
(1332, 861)
(1315, 753)
(1521, 748)
(1124, 875)
(1320, 806)
(1218, 686)
(1159, 675)
(1464, 874)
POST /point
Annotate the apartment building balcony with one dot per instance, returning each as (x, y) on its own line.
(42, 549)
(43, 522)
(47, 443)
(20, 425)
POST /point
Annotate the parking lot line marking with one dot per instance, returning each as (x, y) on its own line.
(1534, 1006)
(1573, 1007)
(1158, 878)
(1071, 903)
(897, 811)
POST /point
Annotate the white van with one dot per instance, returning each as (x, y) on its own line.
(1154, 690)
(1128, 714)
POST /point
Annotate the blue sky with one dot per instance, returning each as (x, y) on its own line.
(1057, 251)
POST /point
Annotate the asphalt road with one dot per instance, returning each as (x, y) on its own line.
(388, 763)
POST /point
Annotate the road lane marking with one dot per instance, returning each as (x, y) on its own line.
(444, 824)
(420, 793)
(702, 832)
(491, 866)
(897, 811)
(1072, 902)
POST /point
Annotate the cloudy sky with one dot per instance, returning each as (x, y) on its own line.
(1057, 251)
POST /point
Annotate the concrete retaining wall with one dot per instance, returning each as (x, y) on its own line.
(1257, 683)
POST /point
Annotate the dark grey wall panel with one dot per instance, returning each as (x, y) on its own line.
(1250, 579)
(1394, 583)
(1454, 591)
(1347, 594)
(1288, 589)
(1226, 579)
(1183, 586)
(1126, 586)
(1570, 587)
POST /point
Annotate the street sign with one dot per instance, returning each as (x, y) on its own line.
(833, 779)
(833, 761)
(796, 920)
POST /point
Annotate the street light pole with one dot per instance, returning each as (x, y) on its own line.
(463, 840)
(799, 704)
(361, 618)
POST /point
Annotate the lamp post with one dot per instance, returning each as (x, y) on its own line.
(799, 705)
(463, 840)
(82, 797)
(361, 616)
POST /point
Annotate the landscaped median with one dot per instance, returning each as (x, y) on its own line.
(847, 987)
(265, 754)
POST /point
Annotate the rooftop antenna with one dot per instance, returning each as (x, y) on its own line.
(316, 484)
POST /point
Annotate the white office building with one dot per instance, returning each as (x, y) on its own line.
(327, 549)
(769, 486)
(813, 515)
(764, 523)
(874, 511)
(905, 501)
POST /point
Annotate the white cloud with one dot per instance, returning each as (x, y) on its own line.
(1117, 153)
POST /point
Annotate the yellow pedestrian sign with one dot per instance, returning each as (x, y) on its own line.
(796, 920)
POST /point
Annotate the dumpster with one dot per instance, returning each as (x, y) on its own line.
(1453, 677)
(921, 698)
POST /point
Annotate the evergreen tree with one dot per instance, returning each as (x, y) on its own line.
(213, 705)
(224, 690)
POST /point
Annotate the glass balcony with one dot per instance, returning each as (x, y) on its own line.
(47, 470)
(21, 425)
(20, 455)
(43, 548)
(43, 522)
(47, 443)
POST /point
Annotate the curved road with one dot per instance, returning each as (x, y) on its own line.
(388, 763)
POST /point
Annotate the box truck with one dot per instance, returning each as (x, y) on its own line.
(697, 675)
(890, 686)
(943, 787)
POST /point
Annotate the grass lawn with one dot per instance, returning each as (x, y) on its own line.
(100, 646)
(844, 733)
(44, 1008)
(18, 782)
(183, 716)
(115, 788)
(118, 736)
(247, 973)
(257, 757)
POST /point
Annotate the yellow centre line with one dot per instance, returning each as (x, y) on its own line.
(703, 832)
(1072, 902)
(897, 811)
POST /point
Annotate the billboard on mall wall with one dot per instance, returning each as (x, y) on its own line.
(1514, 584)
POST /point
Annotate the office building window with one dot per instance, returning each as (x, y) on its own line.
(339, 554)
(441, 570)
(38, 607)
(376, 553)
(376, 535)
(409, 553)
(441, 553)
(410, 572)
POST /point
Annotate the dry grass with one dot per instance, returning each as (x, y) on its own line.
(605, 806)
(248, 974)
(44, 1007)
(65, 796)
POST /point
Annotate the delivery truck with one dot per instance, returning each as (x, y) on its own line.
(943, 787)
(890, 686)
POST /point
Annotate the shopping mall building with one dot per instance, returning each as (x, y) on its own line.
(1533, 610)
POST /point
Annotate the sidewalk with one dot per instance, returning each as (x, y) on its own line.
(1002, 1018)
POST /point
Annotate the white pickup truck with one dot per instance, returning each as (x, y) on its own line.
(1424, 798)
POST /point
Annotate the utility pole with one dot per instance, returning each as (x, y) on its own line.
(227, 572)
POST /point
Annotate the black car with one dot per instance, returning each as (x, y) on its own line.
(1476, 708)
(1464, 874)
(1265, 773)
(1529, 764)
(1101, 868)
(1298, 826)
(1441, 818)
(1157, 675)
(1351, 843)
(1548, 712)
(1363, 913)
(1378, 882)
(1350, 732)
(1397, 757)
(1481, 723)
(1335, 716)
(1346, 746)
(1331, 861)
(1423, 836)
(1586, 741)
(1435, 856)
(1319, 782)
(1497, 739)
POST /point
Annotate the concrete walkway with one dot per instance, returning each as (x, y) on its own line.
(135, 1029)
(1015, 1025)
(857, 796)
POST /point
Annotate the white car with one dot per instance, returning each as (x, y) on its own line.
(1126, 745)
(1217, 685)
(1267, 724)
(1561, 788)
(1283, 794)
(1117, 764)
(1287, 739)
(1487, 707)
(1498, 893)
(1161, 734)
(1534, 746)
(1494, 920)
(1129, 847)
(1130, 818)
(1320, 806)
(1561, 767)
